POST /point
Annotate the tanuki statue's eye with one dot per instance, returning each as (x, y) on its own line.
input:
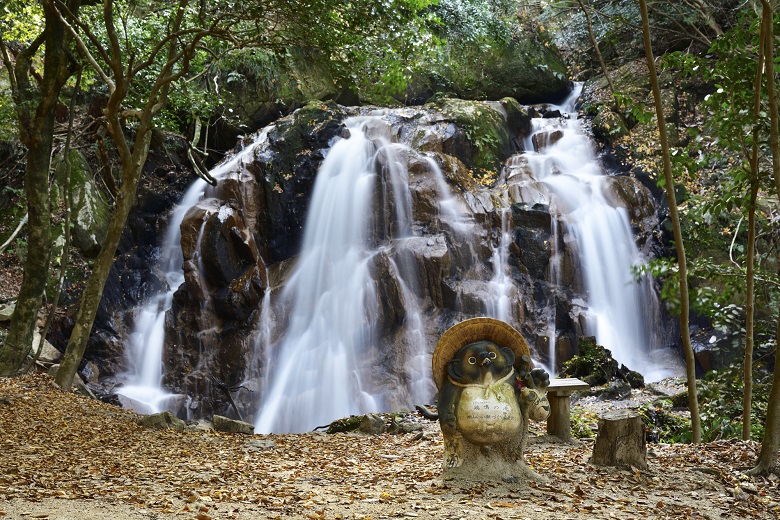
(492, 355)
(473, 360)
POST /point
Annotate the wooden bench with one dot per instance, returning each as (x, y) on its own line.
(559, 393)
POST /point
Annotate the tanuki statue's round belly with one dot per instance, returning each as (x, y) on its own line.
(487, 415)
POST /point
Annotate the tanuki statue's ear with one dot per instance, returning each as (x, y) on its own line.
(509, 355)
(453, 369)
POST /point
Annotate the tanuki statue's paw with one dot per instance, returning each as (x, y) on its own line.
(537, 403)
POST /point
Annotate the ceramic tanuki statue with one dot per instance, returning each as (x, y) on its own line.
(487, 393)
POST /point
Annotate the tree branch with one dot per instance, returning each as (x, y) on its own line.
(82, 46)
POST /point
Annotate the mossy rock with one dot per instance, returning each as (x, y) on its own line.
(608, 125)
(593, 363)
(523, 69)
(90, 212)
(348, 424)
(486, 131)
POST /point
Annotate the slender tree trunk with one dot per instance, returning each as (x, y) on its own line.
(132, 157)
(690, 362)
(55, 300)
(35, 107)
(36, 265)
(750, 308)
(596, 47)
(770, 445)
(90, 301)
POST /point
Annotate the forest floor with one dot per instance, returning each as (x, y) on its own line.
(63, 456)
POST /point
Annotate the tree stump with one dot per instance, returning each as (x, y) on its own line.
(621, 440)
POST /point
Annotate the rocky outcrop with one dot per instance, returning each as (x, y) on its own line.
(471, 242)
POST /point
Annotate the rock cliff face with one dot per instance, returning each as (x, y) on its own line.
(466, 239)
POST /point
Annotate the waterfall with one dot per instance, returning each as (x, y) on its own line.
(320, 370)
(390, 254)
(620, 308)
(499, 304)
(142, 390)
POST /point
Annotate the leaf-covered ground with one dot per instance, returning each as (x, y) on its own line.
(63, 456)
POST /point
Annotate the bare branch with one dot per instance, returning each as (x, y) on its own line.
(58, 7)
(8, 65)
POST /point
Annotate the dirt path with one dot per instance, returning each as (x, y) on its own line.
(66, 457)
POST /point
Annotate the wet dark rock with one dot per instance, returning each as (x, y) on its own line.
(429, 257)
(544, 140)
(593, 363)
(632, 377)
(392, 307)
(286, 172)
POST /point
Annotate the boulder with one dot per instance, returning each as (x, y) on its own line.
(91, 213)
(48, 354)
(593, 363)
(521, 68)
(162, 421)
(482, 138)
(543, 140)
(225, 424)
(6, 311)
(372, 424)
(221, 259)
(428, 257)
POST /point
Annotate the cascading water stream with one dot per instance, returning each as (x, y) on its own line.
(499, 304)
(317, 372)
(144, 349)
(620, 307)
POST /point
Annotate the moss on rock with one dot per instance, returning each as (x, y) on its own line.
(593, 364)
(524, 69)
(90, 213)
(486, 131)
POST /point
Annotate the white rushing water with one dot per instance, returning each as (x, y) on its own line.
(314, 375)
(142, 390)
(622, 311)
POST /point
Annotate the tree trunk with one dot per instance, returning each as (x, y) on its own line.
(90, 301)
(770, 445)
(595, 43)
(690, 361)
(36, 129)
(36, 266)
(750, 306)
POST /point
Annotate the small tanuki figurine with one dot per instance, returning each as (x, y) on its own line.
(487, 393)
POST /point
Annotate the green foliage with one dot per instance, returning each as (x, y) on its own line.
(720, 406)
(584, 423)
(473, 21)
(663, 423)
(364, 44)
(20, 20)
(712, 166)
